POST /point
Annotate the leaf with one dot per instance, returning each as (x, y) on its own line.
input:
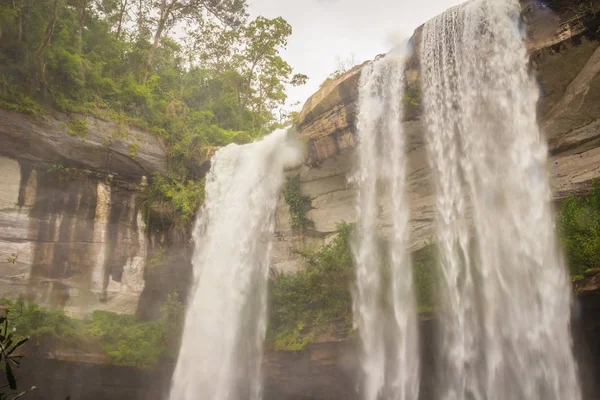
(16, 346)
(12, 382)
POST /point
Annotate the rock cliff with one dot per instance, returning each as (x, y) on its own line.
(565, 58)
(72, 232)
(70, 208)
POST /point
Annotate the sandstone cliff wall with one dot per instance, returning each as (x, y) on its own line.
(72, 230)
(565, 59)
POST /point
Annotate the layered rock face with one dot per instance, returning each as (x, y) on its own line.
(72, 233)
(565, 58)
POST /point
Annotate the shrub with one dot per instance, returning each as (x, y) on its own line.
(305, 302)
(127, 341)
(298, 205)
(78, 127)
(123, 338)
(133, 149)
(185, 199)
(579, 228)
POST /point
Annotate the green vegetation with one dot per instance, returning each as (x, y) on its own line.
(581, 10)
(78, 127)
(133, 149)
(184, 198)
(343, 65)
(579, 226)
(122, 338)
(302, 304)
(9, 359)
(66, 174)
(298, 205)
(157, 257)
(412, 94)
(126, 341)
(119, 60)
(425, 277)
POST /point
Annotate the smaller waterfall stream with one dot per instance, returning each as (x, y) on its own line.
(222, 345)
(384, 301)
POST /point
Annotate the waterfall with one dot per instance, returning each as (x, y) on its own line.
(222, 345)
(506, 298)
(384, 304)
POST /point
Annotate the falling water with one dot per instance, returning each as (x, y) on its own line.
(221, 351)
(384, 307)
(507, 301)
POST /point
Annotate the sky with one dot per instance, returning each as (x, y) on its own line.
(327, 30)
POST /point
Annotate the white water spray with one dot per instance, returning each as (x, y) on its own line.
(384, 304)
(222, 344)
(506, 302)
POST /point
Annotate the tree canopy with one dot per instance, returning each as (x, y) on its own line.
(196, 73)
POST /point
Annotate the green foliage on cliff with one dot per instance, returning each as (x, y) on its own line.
(42, 325)
(425, 277)
(9, 357)
(298, 205)
(579, 226)
(342, 66)
(65, 174)
(126, 61)
(305, 302)
(412, 94)
(78, 127)
(123, 338)
(184, 198)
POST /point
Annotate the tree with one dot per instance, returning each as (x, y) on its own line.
(247, 61)
(43, 49)
(81, 7)
(116, 13)
(266, 73)
(343, 65)
(18, 6)
(225, 83)
(170, 12)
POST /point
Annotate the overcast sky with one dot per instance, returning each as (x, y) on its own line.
(325, 30)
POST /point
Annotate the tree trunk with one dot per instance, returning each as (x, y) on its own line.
(81, 22)
(121, 17)
(248, 87)
(19, 9)
(165, 13)
(20, 26)
(141, 17)
(43, 49)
